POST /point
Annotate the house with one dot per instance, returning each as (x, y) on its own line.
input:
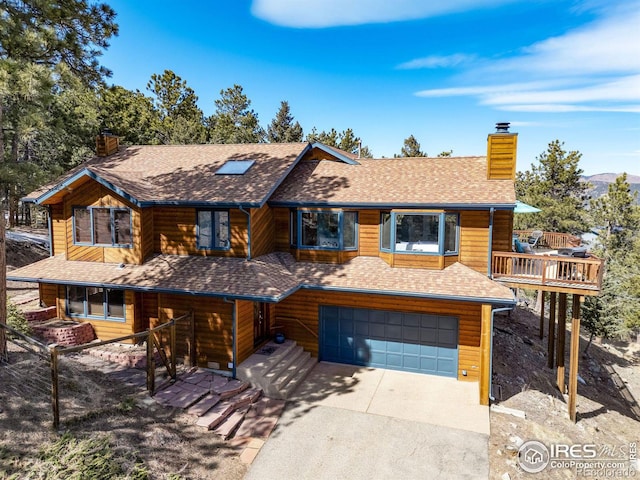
(381, 262)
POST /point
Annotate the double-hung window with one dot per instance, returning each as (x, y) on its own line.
(213, 230)
(103, 226)
(96, 302)
(326, 230)
(429, 233)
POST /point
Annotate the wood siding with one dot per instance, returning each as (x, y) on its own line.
(175, 233)
(304, 306)
(244, 329)
(502, 231)
(213, 327)
(147, 232)
(58, 230)
(92, 194)
(48, 293)
(105, 329)
(369, 232)
(262, 231)
(501, 156)
(474, 240)
(325, 256)
(281, 225)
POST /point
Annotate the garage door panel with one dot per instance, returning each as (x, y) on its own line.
(402, 341)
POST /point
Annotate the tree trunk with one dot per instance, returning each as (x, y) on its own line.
(3, 288)
(586, 349)
(13, 192)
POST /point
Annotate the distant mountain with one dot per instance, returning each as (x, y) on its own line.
(600, 183)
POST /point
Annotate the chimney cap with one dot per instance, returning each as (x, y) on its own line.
(502, 127)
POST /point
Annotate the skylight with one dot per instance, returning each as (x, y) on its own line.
(235, 167)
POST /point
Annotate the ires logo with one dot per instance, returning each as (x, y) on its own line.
(561, 451)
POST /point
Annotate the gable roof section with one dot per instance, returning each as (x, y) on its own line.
(415, 182)
(269, 278)
(184, 174)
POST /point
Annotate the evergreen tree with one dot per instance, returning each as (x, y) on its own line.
(129, 115)
(554, 186)
(411, 148)
(345, 140)
(617, 309)
(42, 45)
(282, 129)
(180, 118)
(233, 121)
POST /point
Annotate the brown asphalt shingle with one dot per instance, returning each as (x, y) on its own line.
(398, 181)
(181, 173)
(271, 276)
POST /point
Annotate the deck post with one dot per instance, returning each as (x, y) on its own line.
(541, 314)
(562, 326)
(552, 330)
(573, 360)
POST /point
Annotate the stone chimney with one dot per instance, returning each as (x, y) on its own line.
(106, 144)
(501, 153)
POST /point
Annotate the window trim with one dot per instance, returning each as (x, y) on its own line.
(213, 226)
(441, 233)
(105, 305)
(340, 246)
(112, 211)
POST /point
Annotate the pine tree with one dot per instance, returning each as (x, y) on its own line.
(411, 148)
(555, 187)
(233, 121)
(180, 118)
(282, 129)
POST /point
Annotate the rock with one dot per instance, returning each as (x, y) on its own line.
(581, 380)
(527, 341)
(499, 452)
(505, 476)
(516, 440)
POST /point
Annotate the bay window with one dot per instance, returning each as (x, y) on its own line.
(429, 233)
(102, 226)
(326, 230)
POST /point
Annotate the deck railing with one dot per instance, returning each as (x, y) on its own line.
(552, 240)
(548, 270)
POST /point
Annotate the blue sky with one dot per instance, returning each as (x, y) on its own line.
(444, 72)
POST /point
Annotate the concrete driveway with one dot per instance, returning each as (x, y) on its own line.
(347, 422)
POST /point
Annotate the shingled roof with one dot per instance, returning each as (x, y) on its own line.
(270, 277)
(459, 181)
(157, 174)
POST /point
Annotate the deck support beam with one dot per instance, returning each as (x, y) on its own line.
(562, 328)
(551, 347)
(541, 293)
(573, 357)
(485, 359)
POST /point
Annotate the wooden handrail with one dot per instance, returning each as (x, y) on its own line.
(551, 239)
(548, 269)
(293, 319)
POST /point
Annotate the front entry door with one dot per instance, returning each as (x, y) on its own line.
(261, 323)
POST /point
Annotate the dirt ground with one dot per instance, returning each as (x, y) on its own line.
(164, 439)
(522, 381)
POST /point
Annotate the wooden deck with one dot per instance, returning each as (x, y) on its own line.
(552, 273)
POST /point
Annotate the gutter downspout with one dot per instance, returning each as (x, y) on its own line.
(50, 228)
(491, 211)
(234, 343)
(493, 311)
(248, 214)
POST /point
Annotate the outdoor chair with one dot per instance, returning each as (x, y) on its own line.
(535, 238)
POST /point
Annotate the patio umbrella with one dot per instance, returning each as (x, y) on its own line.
(524, 208)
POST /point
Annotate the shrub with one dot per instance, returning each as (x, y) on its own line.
(17, 320)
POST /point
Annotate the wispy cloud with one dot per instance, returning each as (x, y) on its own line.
(436, 61)
(593, 68)
(335, 13)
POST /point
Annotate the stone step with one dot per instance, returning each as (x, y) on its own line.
(231, 388)
(231, 423)
(290, 359)
(258, 365)
(246, 398)
(216, 415)
(204, 405)
(261, 418)
(291, 370)
(287, 389)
